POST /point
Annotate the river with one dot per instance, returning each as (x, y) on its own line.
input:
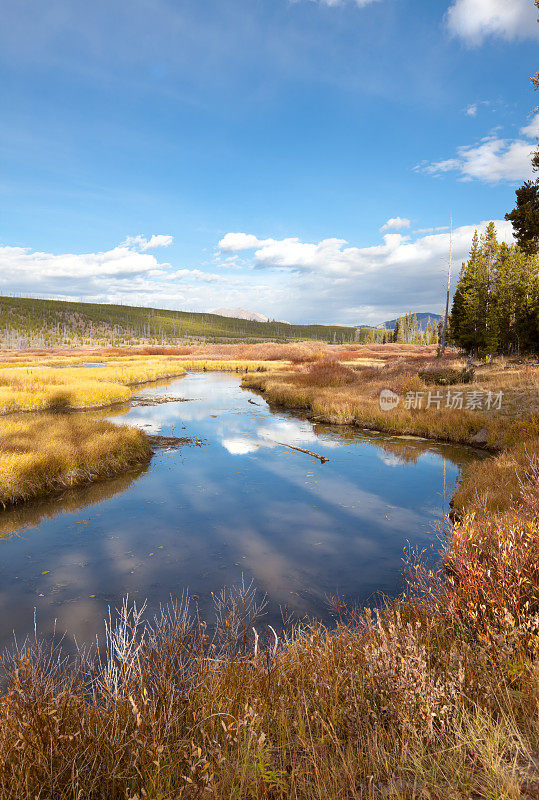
(199, 518)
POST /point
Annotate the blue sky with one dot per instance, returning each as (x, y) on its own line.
(265, 143)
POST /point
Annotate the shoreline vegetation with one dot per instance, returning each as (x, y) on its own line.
(433, 697)
(344, 393)
(47, 452)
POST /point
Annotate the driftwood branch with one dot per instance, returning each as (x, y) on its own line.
(322, 459)
(252, 401)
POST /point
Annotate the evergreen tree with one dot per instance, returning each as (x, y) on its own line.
(464, 312)
(525, 216)
(496, 302)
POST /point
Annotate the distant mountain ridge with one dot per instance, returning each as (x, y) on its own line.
(244, 313)
(423, 318)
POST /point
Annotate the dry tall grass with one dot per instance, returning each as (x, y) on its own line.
(32, 388)
(45, 452)
(497, 483)
(346, 394)
(295, 352)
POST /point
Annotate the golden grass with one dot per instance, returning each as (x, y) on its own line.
(497, 483)
(358, 404)
(340, 393)
(296, 352)
(235, 365)
(45, 452)
(34, 388)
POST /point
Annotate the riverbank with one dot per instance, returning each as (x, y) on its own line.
(44, 453)
(339, 393)
(343, 394)
(31, 387)
(338, 385)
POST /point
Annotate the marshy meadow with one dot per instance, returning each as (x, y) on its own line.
(349, 635)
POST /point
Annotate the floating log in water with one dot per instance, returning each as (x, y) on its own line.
(322, 459)
(172, 442)
(252, 401)
(156, 400)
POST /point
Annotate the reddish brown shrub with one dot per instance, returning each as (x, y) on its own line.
(327, 373)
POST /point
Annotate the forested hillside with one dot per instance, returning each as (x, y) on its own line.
(28, 322)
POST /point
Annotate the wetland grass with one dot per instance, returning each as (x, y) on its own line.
(43, 453)
(340, 393)
(34, 388)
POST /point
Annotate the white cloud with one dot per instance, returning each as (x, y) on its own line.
(332, 258)
(121, 261)
(493, 159)
(471, 111)
(340, 283)
(395, 224)
(532, 129)
(156, 240)
(234, 242)
(475, 20)
(122, 274)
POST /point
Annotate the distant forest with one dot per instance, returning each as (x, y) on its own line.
(29, 322)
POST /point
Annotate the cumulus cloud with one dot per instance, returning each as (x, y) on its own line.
(471, 111)
(336, 282)
(532, 129)
(475, 20)
(340, 283)
(234, 242)
(142, 243)
(121, 261)
(493, 159)
(395, 224)
(123, 273)
(333, 258)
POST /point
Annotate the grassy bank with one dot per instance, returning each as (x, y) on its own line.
(34, 388)
(347, 393)
(43, 453)
(334, 392)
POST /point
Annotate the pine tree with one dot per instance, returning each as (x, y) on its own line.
(496, 302)
(525, 216)
(465, 301)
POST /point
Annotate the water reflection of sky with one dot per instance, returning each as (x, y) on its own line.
(200, 517)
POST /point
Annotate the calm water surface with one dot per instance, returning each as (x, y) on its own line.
(242, 503)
